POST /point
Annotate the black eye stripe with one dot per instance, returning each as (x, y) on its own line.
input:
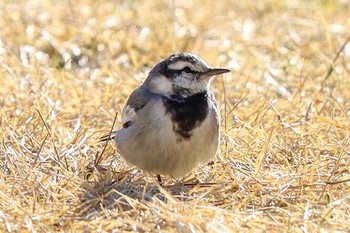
(187, 69)
(170, 73)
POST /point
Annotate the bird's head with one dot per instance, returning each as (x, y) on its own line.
(181, 73)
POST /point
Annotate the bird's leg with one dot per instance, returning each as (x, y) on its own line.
(160, 181)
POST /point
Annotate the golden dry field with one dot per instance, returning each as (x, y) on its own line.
(67, 67)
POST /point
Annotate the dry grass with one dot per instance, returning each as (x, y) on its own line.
(68, 66)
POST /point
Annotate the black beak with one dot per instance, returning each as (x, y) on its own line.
(215, 71)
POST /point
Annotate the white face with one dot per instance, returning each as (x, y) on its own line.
(184, 77)
(192, 80)
(187, 81)
(160, 85)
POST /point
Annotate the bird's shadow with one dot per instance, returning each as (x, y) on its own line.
(124, 191)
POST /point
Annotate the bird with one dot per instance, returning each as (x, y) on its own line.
(171, 122)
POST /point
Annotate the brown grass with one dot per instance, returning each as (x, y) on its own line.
(67, 67)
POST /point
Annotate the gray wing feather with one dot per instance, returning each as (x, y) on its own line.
(137, 100)
(139, 97)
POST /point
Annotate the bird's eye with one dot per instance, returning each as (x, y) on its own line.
(187, 69)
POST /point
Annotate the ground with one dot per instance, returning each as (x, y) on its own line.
(67, 68)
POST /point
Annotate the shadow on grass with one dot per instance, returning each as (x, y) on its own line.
(129, 191)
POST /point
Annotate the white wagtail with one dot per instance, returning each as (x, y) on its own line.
(171, 121)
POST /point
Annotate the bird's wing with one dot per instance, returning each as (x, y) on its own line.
(137, 100)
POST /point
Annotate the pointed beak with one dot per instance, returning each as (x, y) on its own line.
(215, 71)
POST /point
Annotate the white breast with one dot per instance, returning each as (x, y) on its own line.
(150, 142)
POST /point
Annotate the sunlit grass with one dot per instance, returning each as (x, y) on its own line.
(67, 67)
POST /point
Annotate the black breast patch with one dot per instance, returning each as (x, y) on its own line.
(187, 113)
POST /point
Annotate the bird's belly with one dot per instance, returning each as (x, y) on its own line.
(158, 149)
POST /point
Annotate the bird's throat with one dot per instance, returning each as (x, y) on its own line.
(186, 112)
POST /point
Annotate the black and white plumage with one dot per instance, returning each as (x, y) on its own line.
(171, 122)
